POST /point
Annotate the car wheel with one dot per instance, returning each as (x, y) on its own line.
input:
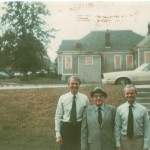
(123, 81)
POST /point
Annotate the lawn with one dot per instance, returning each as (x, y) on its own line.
(27, 116)
(35, 80)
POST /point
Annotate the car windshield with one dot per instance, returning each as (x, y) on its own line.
(147, 68)
(142, 67)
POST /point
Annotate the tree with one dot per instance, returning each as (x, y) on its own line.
(6, 46)
(26, 35)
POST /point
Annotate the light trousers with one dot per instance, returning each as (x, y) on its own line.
(135, 143)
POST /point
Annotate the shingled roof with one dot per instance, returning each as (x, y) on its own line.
(95, 41)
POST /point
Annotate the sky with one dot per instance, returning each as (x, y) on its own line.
(75, 19)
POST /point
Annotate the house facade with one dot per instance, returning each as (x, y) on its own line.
(142, 52)
(102, 51)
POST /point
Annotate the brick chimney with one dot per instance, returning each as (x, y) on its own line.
(107, 39)
(148, 29)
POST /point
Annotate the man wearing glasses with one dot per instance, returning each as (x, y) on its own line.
(97, 130)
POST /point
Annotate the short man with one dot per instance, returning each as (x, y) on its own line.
(97, 131)
(68, 116)
(131, 123)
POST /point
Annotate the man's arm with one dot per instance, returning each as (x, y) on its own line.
(118, 129)
(88, 102)
(84, 132)
(58, 120)
(146, 130)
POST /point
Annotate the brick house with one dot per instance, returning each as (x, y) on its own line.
(102, 51)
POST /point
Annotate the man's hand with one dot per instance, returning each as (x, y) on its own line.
(58, 140)
(118, 148)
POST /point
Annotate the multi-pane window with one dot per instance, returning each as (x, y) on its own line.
(68, 62)
(88, 60)
(129, 61)
(117, 61)
(147, 57)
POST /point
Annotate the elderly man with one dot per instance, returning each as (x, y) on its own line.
(68, 116)
(131, 123)
(97, 131)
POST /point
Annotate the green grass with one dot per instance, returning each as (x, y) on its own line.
(36, 80)
(27, 116)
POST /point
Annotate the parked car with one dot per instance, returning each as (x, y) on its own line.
(4, 75)
(42, 73)
(140, 75)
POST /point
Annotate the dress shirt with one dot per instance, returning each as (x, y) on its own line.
(64, 106)
(140, 122)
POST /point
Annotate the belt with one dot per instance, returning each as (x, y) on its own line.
(69, 123)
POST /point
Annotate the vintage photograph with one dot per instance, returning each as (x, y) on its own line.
(74, 75)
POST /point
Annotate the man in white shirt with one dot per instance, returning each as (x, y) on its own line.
(68, 116)
(132, 123)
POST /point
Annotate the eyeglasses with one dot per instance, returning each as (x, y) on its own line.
(98, 96)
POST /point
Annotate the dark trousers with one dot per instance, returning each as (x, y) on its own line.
(70, 136)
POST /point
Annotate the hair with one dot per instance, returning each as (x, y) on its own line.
(128, 86)
(74, 78)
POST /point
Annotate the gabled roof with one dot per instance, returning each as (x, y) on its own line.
(144, 43)
(95, 41)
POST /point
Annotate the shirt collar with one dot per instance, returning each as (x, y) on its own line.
(102, 107)
(73, 95)
(134, 104)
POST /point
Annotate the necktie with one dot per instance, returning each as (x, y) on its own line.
(73, 117)
(99, 116)
(130, 123)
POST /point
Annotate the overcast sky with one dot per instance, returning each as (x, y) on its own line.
(76, 19)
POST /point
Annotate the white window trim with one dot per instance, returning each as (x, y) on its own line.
(145, 55)
(60, 61)
(66, 61)
(127, 61)
(115, 62)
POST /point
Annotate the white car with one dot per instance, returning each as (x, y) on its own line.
(4, 75)
(140, 75)
(18, 74)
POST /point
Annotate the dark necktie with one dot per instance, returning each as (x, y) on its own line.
(73, 116)
(99, 116)
(130, 123)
